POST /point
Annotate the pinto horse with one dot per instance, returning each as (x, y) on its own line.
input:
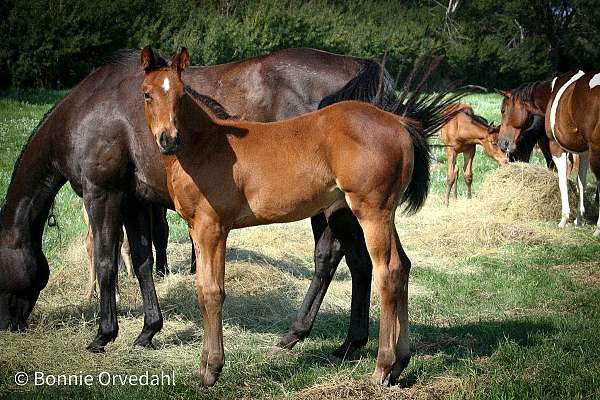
(573, 122)
(93, 139)
(460, 135)
(230, 174)
(523, 107)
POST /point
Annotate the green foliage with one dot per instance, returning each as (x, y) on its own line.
(55, 43)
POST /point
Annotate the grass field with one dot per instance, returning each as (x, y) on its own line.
(499, 308)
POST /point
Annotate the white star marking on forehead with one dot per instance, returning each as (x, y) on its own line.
(166, 85)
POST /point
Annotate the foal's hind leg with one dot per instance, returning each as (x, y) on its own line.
(391, 267)
(328, 254)
(469, 156)
(452, 174)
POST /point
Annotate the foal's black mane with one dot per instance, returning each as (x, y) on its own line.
(526, 91)
(214, 106)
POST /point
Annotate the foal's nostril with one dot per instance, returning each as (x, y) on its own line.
(164, 140)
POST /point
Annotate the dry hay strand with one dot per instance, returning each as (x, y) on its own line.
(342, 387)
(526, 191)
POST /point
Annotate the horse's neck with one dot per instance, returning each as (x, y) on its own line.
(32, 189)
(541, 97)
(199, 130)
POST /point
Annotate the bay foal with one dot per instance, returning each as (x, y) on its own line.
(460, 135)
(230, 174)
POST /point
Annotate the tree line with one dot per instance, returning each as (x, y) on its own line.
(494, 43)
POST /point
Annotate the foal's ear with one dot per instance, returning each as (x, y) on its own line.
(147, 59)
(504, 93)
(181, 60)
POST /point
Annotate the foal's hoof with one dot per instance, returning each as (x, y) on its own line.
(207, 378)
(276, 351)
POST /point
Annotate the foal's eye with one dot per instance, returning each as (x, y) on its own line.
(147, 96)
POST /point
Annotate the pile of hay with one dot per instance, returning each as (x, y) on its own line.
(526, 191)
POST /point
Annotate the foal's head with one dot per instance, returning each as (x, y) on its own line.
(494, 149)
(162, 90)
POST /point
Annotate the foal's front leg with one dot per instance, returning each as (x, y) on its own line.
(209, 242)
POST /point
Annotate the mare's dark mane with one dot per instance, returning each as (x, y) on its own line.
(526, 92)
(24, 148)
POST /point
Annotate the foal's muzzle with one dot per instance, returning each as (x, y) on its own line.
(168, 144)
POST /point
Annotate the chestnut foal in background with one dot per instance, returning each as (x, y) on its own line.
(460, 135)
(230, 174)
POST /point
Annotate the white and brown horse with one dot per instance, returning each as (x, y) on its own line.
(573, 121)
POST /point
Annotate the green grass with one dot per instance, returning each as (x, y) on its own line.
(512, 312)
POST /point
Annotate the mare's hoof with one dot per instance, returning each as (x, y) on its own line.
(563, 222)
(96, 349)
(145, 343)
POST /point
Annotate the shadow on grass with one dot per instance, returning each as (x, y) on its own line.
(291, 264)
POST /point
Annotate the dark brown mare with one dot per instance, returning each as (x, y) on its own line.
(573, 121)
(94, 139)
(460, 135)
(518, 131)
(524, 107)
(230, 174)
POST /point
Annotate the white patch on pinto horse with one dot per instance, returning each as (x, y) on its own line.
(166, 85)
(553, 82)
(595, 81)
(554, 107)
(561, 168)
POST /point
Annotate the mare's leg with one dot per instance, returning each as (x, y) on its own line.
(104, 211)
(160, 238)
(138, 225)
(469, 156)
(328, 254)
(210, 241)
(192, 258)
(391, 268)
(594, 161)
(346, 228)
(561, 166)
(582, 167)
(452, 174)
(544, 145)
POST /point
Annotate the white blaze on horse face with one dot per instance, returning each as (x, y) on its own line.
(166, 85)
(554, 107)
(561, 168)
(595, 81)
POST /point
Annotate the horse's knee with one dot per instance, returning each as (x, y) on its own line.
(212, 297)
(468, 179)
